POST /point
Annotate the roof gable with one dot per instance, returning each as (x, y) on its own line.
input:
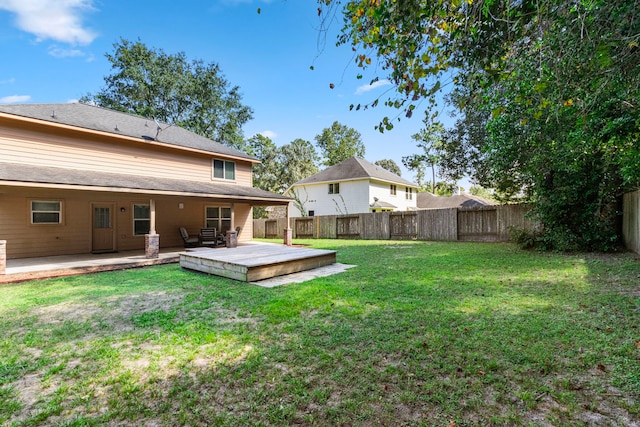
(354, 168)
(117, 123)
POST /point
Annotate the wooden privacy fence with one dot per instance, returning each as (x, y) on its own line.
(484, 224)
(631, 221)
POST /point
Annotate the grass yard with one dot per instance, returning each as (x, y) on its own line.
(419, 333)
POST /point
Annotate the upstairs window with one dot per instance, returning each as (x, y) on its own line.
(334, 188)
(409, 193)
(46, 212)
(393, 189)
(224, 169)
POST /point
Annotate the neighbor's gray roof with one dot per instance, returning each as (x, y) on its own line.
(381, 204)
(19, 173)
(355, 168)
(430, 201)
(117, 123)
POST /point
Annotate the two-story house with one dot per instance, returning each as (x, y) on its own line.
(350, 187)
(76, 178)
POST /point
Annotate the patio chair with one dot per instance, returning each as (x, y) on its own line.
(208, 237)
(221, 240)
(189, 241)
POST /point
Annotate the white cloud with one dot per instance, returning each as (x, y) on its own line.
(370, 87)
(269, 134)
(14, 99)
(59, 52)
(8, 81)
(59, 20)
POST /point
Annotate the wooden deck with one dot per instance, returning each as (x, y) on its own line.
(256, 262)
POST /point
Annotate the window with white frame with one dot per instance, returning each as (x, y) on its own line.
(393, 189)
(141, 219)
(334, 188)
(224, 169)
(46, 212)
(409, 193)
(218, 217)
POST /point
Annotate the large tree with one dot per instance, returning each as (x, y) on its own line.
(547, 93)
(281, 166)
(170, 88)
(389, 165)
(339, 142)
(298, 160)
(430, 142)
(266, 175)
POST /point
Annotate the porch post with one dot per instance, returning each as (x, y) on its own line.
(288, 233)
(152, 216)
(152, 240)
(3, 257)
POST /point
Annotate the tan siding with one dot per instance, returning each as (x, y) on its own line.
(107, 155)
(243, 174)
(26, 239)
(243, 217)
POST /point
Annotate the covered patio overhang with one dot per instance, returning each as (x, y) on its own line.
(14, 177)
(20, 175)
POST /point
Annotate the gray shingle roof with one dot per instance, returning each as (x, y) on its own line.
(117, 123)
(355, 168)
(60, 176)
(430, 201)
(381, 204)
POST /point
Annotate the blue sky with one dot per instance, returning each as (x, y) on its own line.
(54, 51)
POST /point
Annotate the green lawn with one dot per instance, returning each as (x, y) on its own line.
(418, 333)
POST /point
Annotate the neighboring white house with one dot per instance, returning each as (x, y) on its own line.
(352, 186)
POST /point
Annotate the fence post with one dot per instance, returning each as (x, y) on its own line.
(3, 257)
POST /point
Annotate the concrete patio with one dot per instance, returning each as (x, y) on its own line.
(20, 270)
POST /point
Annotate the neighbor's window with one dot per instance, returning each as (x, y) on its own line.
(141, 219)
(223, 169)
(46, 212)
(392, 189)
(409, 193)
(218, 217)
(334, 188)
(312, 213)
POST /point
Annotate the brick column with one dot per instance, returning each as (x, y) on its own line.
(231, 239)
(3, 256)
(151, 245)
